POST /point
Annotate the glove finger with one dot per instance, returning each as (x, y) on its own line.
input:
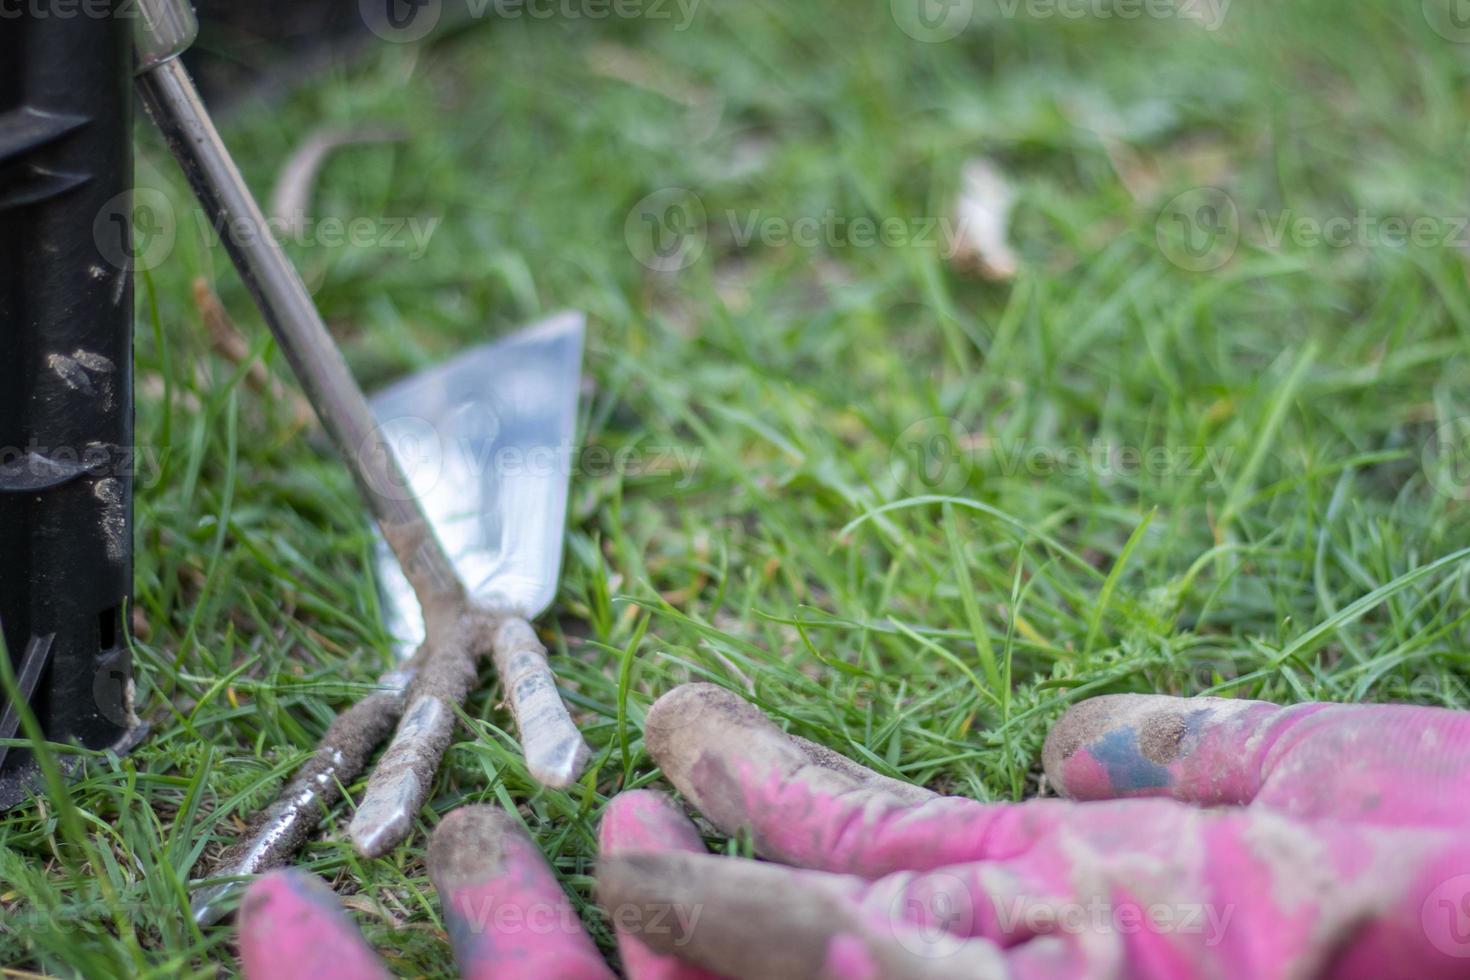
(934, 903)
(641, 820)
(1391, 765)
(292, 926)
(745, 774)
(765, 921)
(506, 914)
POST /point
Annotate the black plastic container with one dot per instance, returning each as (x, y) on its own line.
(66, 378)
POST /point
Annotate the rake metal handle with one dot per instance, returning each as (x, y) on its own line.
(174, 105)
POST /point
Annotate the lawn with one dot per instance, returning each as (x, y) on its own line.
(1209, 438)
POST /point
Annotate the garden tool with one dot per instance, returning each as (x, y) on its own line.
(485, 443)
(460, 623)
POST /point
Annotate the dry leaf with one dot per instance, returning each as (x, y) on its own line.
(982, 222)
(296, 181)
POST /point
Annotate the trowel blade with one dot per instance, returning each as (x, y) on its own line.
(486, 444)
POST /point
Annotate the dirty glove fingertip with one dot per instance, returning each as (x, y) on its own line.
(292, 925)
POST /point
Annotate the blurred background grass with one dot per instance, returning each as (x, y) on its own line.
(789, 518)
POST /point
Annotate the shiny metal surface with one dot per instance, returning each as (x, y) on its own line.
(486, 442)
(384, 817)
(162, 30)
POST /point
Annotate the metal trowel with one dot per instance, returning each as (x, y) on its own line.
(485, 443)
(485, 446)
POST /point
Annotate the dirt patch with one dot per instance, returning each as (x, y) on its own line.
(1160, 737)
(820, 755)
(469, 847)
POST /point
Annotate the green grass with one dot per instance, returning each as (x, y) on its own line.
(927, 616)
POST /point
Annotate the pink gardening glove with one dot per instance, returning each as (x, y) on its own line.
(1340, 849)
(1342, 853)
